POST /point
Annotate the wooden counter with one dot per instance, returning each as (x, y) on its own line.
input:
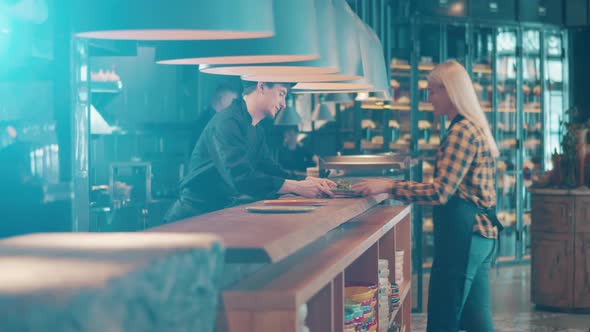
(269, 238)
(560, 248)
(270, 300)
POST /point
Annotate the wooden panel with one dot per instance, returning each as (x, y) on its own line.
(552, 213)
(582, 215)
(387, 251)
(338, 302)
(238, 321)
(403, 240)
(552, 269)
(364, 269)
(284, 321)
(271, 237)
(319, 311)
(582, 271)
(294, 280)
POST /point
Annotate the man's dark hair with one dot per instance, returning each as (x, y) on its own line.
(250, 86)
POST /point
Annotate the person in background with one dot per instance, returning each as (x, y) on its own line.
(223, 96)
(231, 158)
(465, 224)
(292, 155)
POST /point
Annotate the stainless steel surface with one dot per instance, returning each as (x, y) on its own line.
(366, 162)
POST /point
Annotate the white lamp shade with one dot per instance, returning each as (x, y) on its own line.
(352, 52)
(298, 78)
(377, 70)
(288, 116)
(322, 113)
(327, 63)
(295, 40)
(173, 19)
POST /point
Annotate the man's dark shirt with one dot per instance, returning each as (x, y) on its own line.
(230, 160)
(202, 122)
(297, 159)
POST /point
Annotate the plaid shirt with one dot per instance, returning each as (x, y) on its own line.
(465, 167)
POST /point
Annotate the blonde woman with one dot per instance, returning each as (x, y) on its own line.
(465, 224)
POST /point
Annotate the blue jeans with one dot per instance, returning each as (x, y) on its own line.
(469, 286)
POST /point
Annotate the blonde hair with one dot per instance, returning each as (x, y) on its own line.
(453, 76)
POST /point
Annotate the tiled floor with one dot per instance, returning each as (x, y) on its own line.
(512, 308)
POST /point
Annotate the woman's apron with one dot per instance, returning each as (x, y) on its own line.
(453, 231)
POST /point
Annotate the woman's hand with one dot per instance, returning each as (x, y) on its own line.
(370, 187)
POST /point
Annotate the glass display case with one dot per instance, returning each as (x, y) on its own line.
(505, 94)
(518, 76)
(532, 124)
(401, 86)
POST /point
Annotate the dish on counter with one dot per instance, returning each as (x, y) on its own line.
(280, 209)
(295, 202)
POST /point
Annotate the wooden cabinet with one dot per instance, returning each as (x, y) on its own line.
(560, 248)
(552, 266)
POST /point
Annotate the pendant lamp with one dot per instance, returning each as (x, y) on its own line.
(173, 19)
(377, 69)
(295, 39)
(333, 41)
(352, 50)
(288, 116)
(332, 30)
(338, 98)
(322, 112)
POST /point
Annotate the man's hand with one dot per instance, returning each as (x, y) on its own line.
(307, 188)
(328, 184)
(370, 187)
(313, 188)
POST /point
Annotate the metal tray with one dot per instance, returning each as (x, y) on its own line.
(366, 162)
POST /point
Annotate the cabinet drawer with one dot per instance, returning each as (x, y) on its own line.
(552, 214)
(582, 271)
(552, 269)
(582, 219)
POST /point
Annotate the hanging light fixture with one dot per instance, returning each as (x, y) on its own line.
(333, 55)
(341, 40)
(377, 69)
(322, 112)
(173, 19)
(288, 116)
(338, 98)
(295, 39)
(351, 50)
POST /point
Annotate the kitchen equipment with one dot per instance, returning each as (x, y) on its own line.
(366, 165)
